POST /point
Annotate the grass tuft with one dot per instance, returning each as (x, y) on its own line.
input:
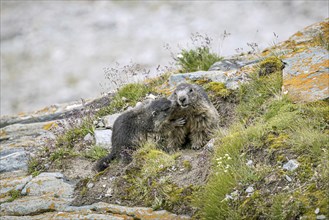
(196, 59)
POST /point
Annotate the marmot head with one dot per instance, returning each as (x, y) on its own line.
(159, 110)
(187, 95)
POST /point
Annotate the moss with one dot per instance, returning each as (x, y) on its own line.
(14, 194)
(270, 65)
(276, 141)
(305, 171)
(218, 89)
(146, 185)
(187, 165)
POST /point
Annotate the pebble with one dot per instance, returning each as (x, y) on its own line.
(109, 192)
(249, 163)
(291, 165)
(317, 210)
(88, 138)
(90, 185)
(321, 217)
(250, 189)
(288, 178)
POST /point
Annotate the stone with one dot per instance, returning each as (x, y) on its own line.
(317, 210)
(291, 165)
(110, 119)
(31, 205)
(88, 138)
(230, 64)
(103, 138)
(52, 184)
(232, 78)
(13, 159)
(288, 178)
(306, 75)
(15, 183)
(250, 189)
(249, 163)
(109, 192)
(321, 217)
(90, 185)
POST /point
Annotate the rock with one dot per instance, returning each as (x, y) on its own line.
(317, 210)
(250, 189)
(291, 165)
(109, 192)
(306, 75)
(230, 64)
(288, 178)
(232, 78)
(110, 119)
(321, 217)
(13, 159)
(90, 185)
(52, 184)
(249, 163)
(103, 138)
(15, 183)
(210, 145)
(88, 138)
(69, 215)
(32, 205)
(100, 124)
(135, 212)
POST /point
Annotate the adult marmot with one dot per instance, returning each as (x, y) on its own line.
(191, 102)
(132, 128)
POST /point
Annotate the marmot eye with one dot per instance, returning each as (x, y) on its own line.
(191, 90)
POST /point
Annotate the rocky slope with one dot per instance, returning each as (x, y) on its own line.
(46, 163)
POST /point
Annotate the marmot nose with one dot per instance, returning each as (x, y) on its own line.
(182, 99)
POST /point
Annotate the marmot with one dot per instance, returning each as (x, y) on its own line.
(132, 128)
(191, 102)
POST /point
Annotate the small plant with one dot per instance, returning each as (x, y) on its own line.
(147, 184)
(96, 152)
(196, 59)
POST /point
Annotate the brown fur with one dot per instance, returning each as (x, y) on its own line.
(201, 118)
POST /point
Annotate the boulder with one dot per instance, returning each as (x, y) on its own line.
(306, 75)
(103, 138)
(13, 159)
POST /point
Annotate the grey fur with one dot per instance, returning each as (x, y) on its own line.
(191, 102)
(132, 128)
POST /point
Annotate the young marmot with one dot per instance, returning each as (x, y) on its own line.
(132, 128)
(191, 102)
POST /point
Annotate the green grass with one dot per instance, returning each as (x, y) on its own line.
(130, 94)
(146, 184)
(95, 153)
(270, 131)
(196, 59)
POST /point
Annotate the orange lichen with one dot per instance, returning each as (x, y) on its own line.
(300, 87)
(50, 109)
(50, 125)
(317, 66)
(52, 206)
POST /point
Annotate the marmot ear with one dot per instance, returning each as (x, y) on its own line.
(154, 113)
